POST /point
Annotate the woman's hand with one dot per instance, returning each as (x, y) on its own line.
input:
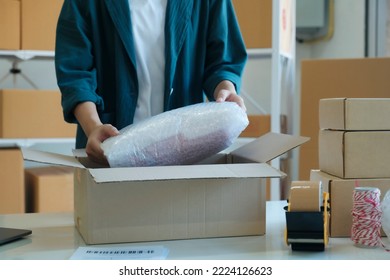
(226, 91)
(95, 138)
(96, 132)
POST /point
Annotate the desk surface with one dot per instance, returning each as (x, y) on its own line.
(55, 237)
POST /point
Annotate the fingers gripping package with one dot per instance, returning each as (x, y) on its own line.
(182, 136)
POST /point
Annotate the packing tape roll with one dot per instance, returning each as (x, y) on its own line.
(305, 196)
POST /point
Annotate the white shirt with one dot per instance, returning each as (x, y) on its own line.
(148, 22)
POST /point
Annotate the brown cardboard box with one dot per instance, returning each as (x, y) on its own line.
(258, 125)
(355, 154)
(39, 23)
(115, 205)
(9, 24)
(255, 20)
(355, 113)
(334, 78)
(32, 114)
(341, 202)
(49, 189)
(12, 192)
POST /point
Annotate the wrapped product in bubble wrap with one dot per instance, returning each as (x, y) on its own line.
(182, 136)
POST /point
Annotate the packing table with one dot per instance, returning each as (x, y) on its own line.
(55, 237)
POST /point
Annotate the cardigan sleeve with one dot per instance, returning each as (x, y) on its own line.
(74, 60)
(226, 53)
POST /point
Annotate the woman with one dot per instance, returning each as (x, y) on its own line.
(120, 61)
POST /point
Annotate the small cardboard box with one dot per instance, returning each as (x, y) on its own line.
(355, 113)
(355, 154)
(33, 114)
(9, 24)
(114, 205)
(49, 189)
(12, 192)
(341, 200)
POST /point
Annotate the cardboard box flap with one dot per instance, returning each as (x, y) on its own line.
(182, 172)
(269, 146)
(50, 158)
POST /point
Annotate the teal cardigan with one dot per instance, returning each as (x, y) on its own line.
(95, 56)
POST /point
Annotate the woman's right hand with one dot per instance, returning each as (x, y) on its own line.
(96, 132)
(95, 138)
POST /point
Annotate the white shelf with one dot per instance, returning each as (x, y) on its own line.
(27, 54)
(259, 53)
(28, 142)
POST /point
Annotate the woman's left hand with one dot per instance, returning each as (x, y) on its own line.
(226, 91)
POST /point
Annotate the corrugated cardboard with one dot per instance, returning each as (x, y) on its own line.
(355, 154)
(115, 205)
(32, 114)
(12, 192)
(9, 24)
(39, 22)
(49, 189)
(255, 20)
(334, 78)
(341, 201)
(258, 125)
(355, 113)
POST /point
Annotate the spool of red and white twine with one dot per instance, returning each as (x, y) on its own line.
(366, 217)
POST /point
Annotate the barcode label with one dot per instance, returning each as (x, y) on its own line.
(120, 253)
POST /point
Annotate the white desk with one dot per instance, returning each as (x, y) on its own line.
(55, 237)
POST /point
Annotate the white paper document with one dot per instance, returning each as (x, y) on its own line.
(120, 253)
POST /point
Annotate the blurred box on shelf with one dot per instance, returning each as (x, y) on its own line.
(9, 24)
(49, 189)
(255, 20)
(39, 23)
(341, 200)
(29, 24)
(12, 191)
(355, 113)
(33, 114)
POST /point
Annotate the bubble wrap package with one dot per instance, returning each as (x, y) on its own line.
(385, 205)
(182, 136)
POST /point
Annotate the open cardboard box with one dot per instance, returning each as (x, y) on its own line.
(222, 196)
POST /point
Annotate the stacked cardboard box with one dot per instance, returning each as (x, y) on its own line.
(354, 149)
(28, 24)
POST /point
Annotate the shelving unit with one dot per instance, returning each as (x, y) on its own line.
(16, 57)
(19, 56)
